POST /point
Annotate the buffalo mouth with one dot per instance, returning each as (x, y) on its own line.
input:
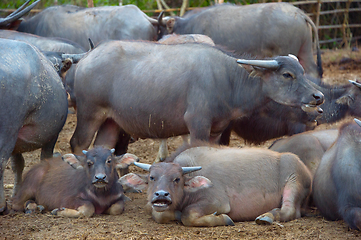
(311, 108)
(161, 205)
(100, 184)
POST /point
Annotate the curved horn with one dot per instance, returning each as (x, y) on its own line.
(91, 44)
(18, 13)
(142, 165)
(357, 121)
(160, 19)
(355, 83)
(270, 64)
(190, 169)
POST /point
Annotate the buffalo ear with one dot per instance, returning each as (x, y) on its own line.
(170, 24)
(196, 183)
(133, 181)
(123, 162)
(72, 160)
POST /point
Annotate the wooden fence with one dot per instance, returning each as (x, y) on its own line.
(331, 17)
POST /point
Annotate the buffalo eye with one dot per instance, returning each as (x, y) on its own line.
(151, 178)
(109, 161)
(176, 180)
(90, 163)
(287, 75)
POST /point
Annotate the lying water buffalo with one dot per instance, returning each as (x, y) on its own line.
(336, 186)
(34, 106)
(308, 146)
(92, 187)
(232, 185)
(98, 23)
(268, 29)
(44, 43)
(198, 93)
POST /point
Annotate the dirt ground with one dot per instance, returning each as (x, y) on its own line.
(340, 66)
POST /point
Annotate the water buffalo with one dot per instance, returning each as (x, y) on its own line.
(336, 186)
(268, 29)
(89, 186)
(44, 43)
(308, 146)
(198, 93)
(98, 23)
(34, 106)
(232, 185)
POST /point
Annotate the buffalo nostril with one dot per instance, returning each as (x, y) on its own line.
(318, 97)
(100, 177)
(161, 193)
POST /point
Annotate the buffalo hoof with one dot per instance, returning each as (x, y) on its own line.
(228, 220)
(4, 210)
(56, 210)
(265, 219)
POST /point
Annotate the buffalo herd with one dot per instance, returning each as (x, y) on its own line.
(220, 69)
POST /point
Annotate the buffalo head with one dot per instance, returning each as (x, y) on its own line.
(12, 21)
(166, 184)
(285, 82)
(100, 165)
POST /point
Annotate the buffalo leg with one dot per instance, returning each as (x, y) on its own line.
(48, 149)
(122, 144)
(17, 164)
(195, 219)
(108, 134)
(116, 209)
(352, 216)
(292, 198)
(86, 210)
(85, 130)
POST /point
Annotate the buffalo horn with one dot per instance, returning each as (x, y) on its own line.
(270, 64)
(142, 165)
(357, 121)
(74, 57)
(18, 13)
(91, 44)
(85, 152)
(112, 150)
(160, 19)
(190, 169)
(355, 83)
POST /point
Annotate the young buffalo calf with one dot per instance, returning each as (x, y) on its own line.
(90, 185)
(232, 185)
(337, 182)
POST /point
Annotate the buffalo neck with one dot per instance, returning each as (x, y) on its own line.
(247, 92)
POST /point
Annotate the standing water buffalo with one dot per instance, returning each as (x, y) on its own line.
(337, 182)
(269, 29)
(232, 185)
(34, 106)
(197, 93)
(99, 23)
(92, 187)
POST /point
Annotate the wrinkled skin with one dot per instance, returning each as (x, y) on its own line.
(44, 43)
(336, 186)
(99, 24)
(34, 107)
(263, 30)
(143, 104)
(76, 186)
(233, 185)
